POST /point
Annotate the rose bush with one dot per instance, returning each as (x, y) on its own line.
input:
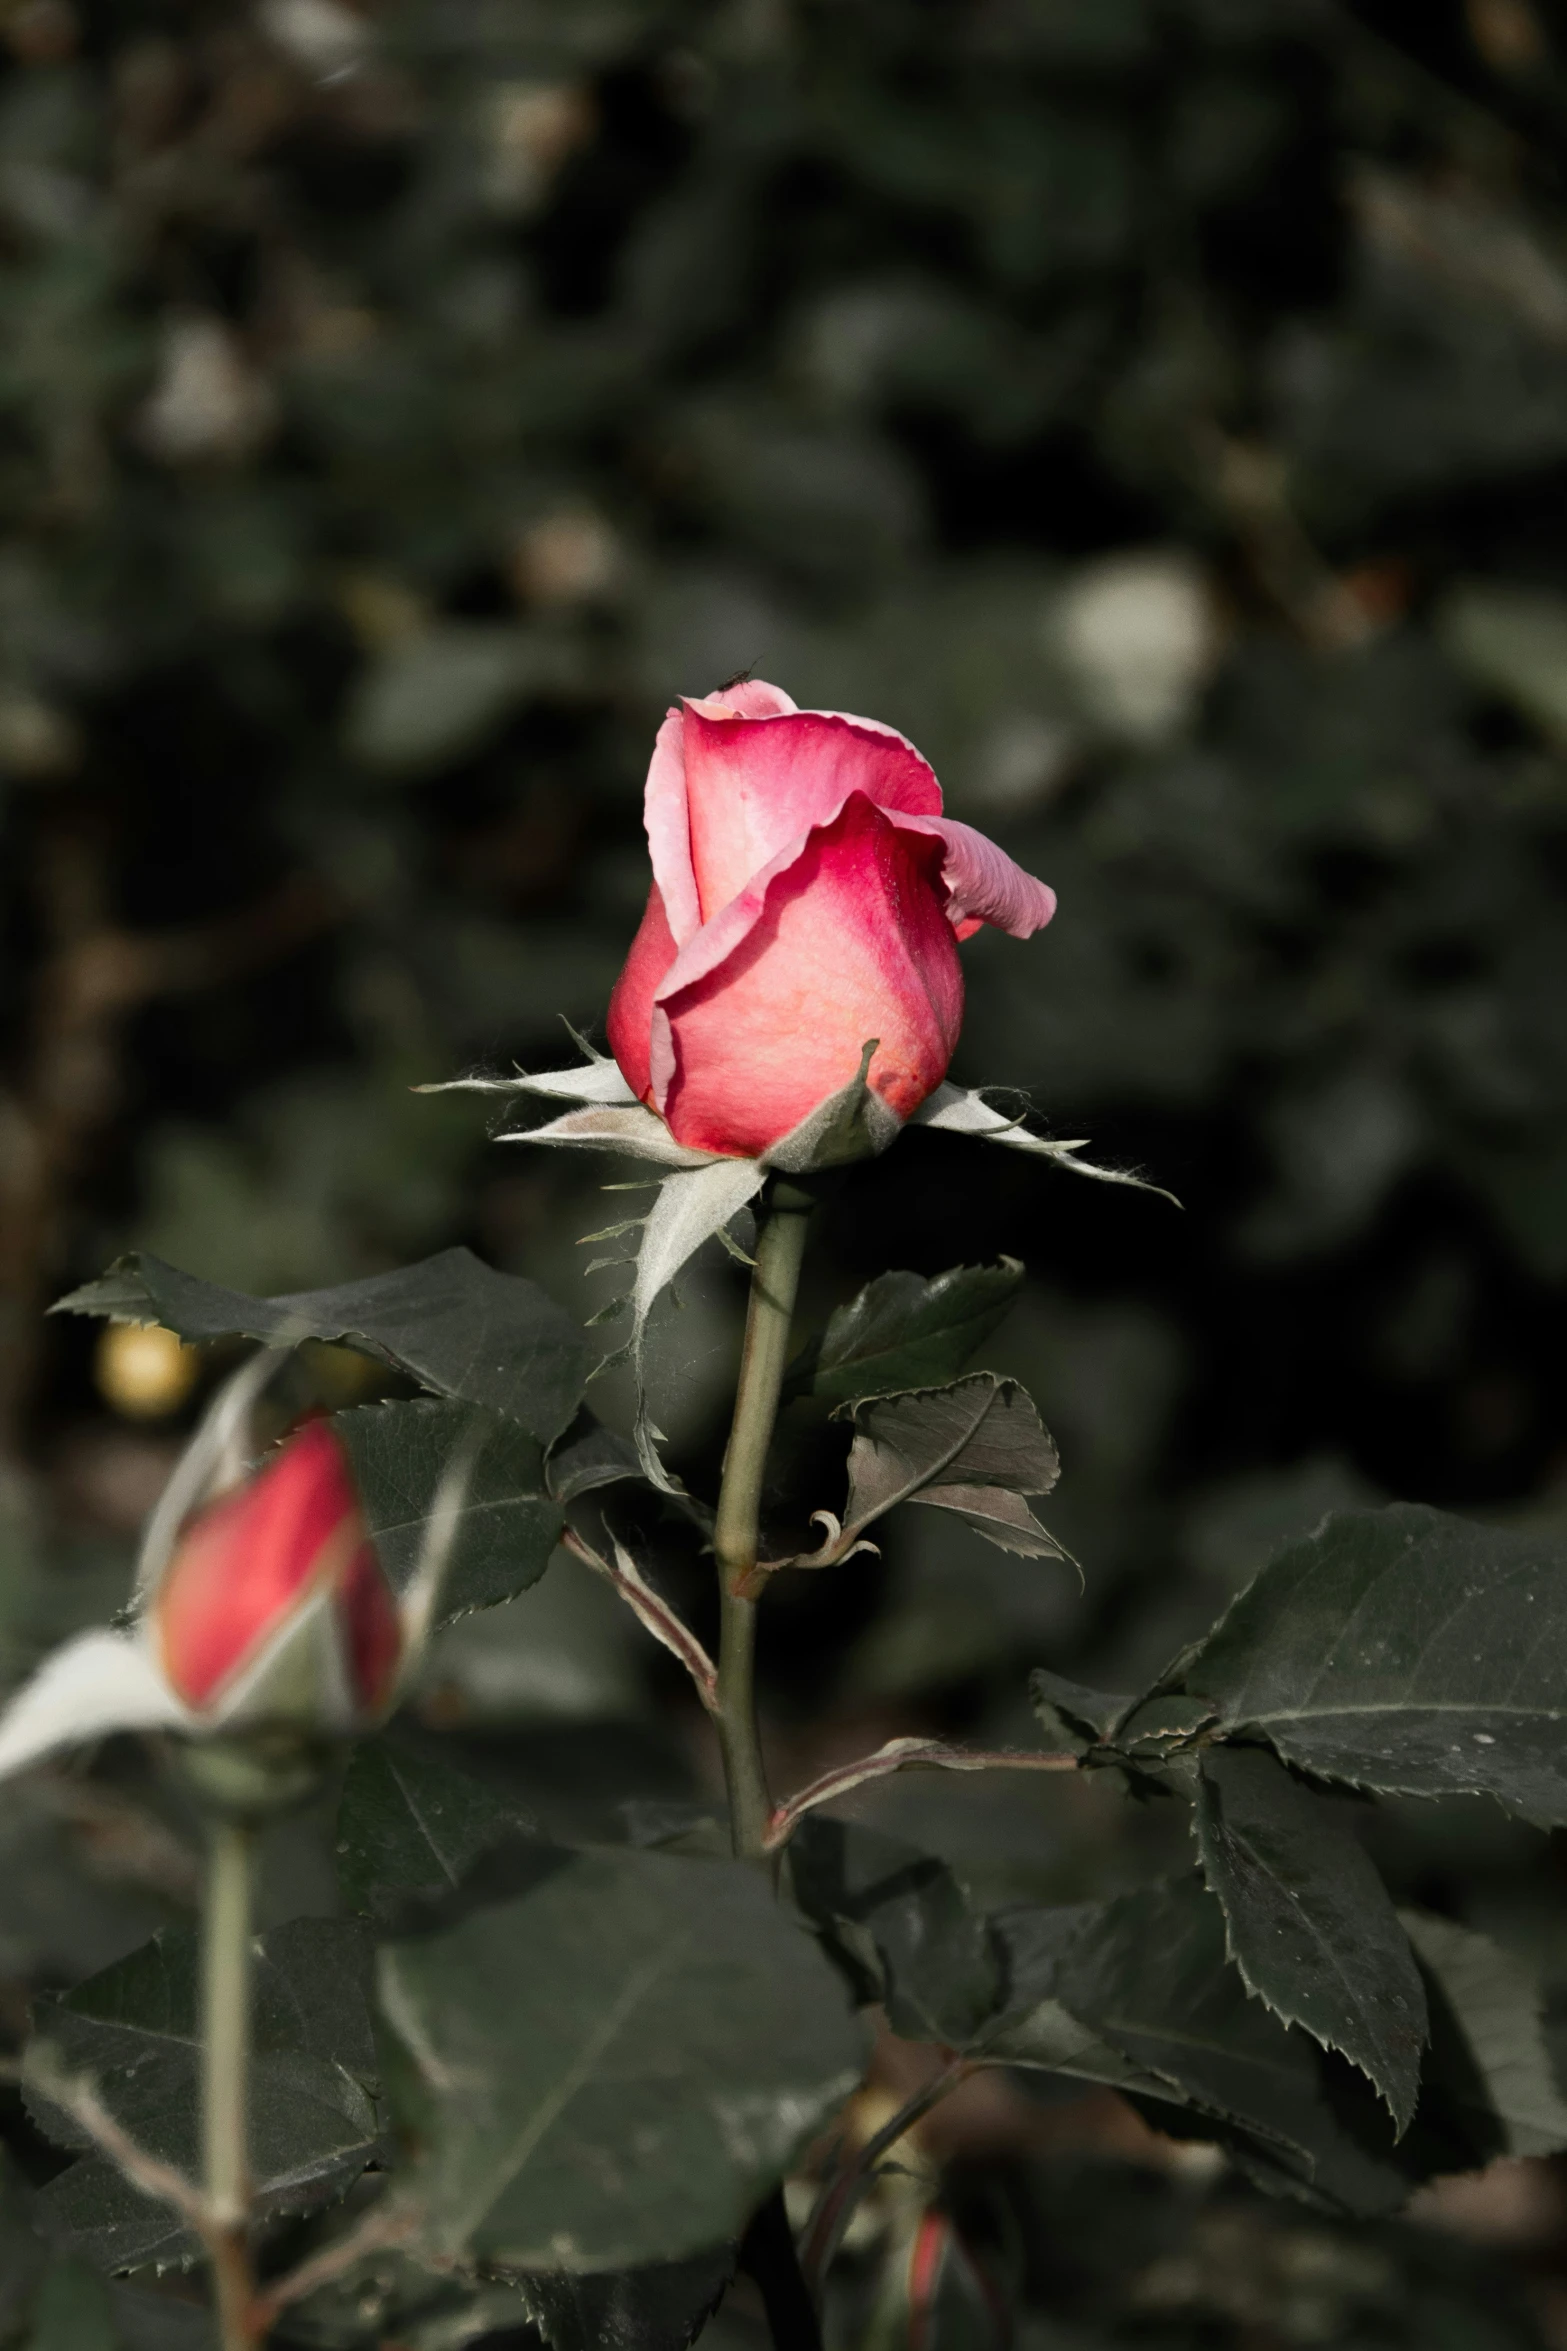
(808, 896)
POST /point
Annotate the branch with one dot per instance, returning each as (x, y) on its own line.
(385, 2225)
(77, 2095)
(652, 1611)
(904, 1755)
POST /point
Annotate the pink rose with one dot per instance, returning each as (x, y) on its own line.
(285, 1553)
(808, 895)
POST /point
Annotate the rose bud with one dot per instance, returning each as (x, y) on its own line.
(274, 1600)
(808, 896)
(267, 1606)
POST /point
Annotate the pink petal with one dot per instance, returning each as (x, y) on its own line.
(630, 1021)
(764, 1016)
(664, 797)
(984, 884)
(669, 828)
(753, 785)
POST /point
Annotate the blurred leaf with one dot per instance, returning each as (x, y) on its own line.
(904, 1331)
(1513, 640)
(389, 2297)
(135, 2029)
(1404, 1650)
(508, 1526)
(410, 1824)
(904, 1926)
(660, 2308)
(975, 1447)
(1311, 1925)
(613, 2066)
(153, 2319)
(24, 2255)
(66, 1909)
(568, 1650)
(450, 1322)
(1146, 1976)
(74, 2312)
(437, 694)
(1490, 2080)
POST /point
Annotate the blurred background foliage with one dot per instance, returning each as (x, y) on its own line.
(1158, 410)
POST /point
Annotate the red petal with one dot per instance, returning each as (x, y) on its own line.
(753, 785)
(846, 941)
(240, 1566)
(631, 1005)
(373, 1628)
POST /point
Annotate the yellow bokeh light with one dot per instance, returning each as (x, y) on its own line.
(144, 1371)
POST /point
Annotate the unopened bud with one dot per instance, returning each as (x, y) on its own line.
(274, 1602)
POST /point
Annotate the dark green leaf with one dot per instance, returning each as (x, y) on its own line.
(1311, 1925)
(1071, 1715)
(903, 1331)
(135, 2030)
(660, 2308)
(589, 1455)
(451, 1323)
(1404, 1650)
(151, 2318)
(74, 2311)
(409, 1825)
(1161, 1726)
(903, 1921)
(508, 1526)
(24, 2256)
(1144, 1983)
(975, 1447)
(613, 2065)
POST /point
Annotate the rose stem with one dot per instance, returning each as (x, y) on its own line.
(775, 1278)
(226, 1968)
(768, 2250)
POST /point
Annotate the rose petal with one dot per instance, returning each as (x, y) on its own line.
(669, 830)
(983, 883)
(241, 1566)
(746, 698)
(754, 785)
(372, 1628)
(630, 1020)
(842, 939)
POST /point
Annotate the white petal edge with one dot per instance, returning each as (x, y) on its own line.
(958, 1111)
(98, 1683)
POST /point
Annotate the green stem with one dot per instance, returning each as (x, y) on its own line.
(775, 1280)
(226, 1973)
